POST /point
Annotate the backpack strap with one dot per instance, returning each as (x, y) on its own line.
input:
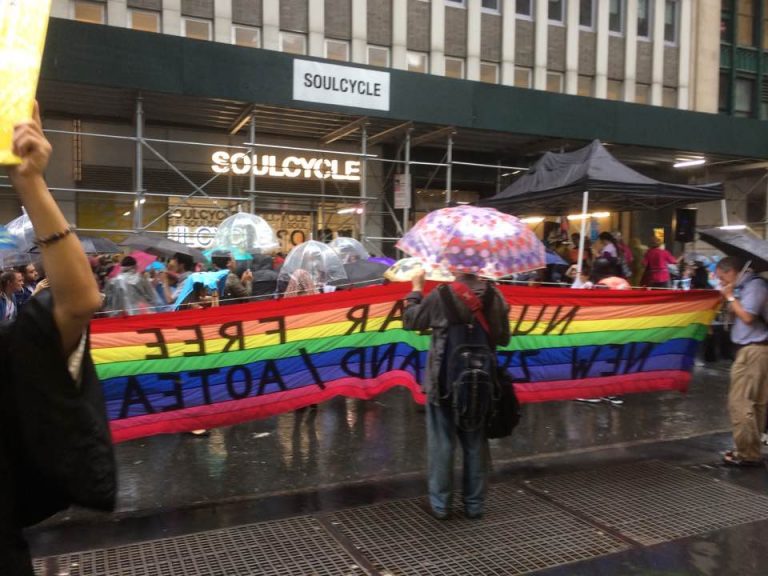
(469, 298)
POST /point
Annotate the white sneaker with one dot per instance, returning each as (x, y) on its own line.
(589, 400)
(614, 400)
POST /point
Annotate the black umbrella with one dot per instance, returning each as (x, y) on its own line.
(364, 273)
(161, 246)
(742, 243)
(96, 245)
(92, 245)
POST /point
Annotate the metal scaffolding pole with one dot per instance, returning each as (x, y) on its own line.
(409, 191)
(138, 203)
(363, 178)
(252, 175)
(449, 171)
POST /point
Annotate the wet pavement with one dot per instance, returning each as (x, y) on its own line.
(352, 457)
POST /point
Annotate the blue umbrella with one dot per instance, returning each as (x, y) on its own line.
(209, 279)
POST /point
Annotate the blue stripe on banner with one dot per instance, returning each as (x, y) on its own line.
(130, 396)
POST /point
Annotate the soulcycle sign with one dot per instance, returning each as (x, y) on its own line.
(340, 85)
(288, 167)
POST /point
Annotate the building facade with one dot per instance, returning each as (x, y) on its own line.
(658, 52)
(503, 81)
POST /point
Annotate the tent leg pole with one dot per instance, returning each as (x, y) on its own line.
(724, 212)
(580, 261)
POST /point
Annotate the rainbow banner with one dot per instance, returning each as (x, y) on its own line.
(192, 369)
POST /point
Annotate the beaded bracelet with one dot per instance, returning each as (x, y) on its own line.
(52, 238)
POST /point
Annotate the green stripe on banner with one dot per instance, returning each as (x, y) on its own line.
(393, 336)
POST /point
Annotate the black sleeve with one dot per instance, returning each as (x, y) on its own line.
(64, 439)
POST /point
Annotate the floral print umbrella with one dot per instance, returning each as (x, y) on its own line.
(473, 240)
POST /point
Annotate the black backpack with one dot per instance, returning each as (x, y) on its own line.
(479, 395)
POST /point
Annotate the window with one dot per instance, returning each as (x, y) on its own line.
(643, 93)
(92, 12)
(669, 97)
(293, 43)
(554, 81)
(457, 3)
(644, 19)
(615, 89)
(246, 36)
(337, 50)
(670, 22)
(197, 29)
(491, 6)
(586, 86)
(378, 56)
(742, 98)
(587, 14)
(616, 16)
(144, 20)
(523, 77)
(555, 11)
(418, 62)
(489, 72)
(524, 8)
(454, 67)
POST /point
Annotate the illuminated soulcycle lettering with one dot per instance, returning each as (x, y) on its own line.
(291, 167)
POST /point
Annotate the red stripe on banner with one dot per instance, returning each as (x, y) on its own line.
(655, 381)
(236, 411)
(515, 295)
(265, 308)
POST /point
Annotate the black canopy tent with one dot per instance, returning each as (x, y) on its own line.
(557, 183)
(565, 182)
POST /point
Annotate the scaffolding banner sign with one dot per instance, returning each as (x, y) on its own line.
(340, 85)
(402, 191)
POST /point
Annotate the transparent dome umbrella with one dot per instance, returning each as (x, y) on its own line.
(320, 260)
(21, 230)
(349, 249)
(474, 240)
(405, 269)
(247, 232)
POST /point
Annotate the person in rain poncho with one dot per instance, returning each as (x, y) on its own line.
(129, 293)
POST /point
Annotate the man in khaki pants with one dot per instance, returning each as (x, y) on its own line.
(747, 298)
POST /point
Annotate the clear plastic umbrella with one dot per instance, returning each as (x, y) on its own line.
(349, 249)
(21, 229)
(320, 260)
(247, 232)
(405, 269)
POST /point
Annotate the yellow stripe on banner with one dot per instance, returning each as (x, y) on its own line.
(335, 329)
(216, 345)
(533, 328)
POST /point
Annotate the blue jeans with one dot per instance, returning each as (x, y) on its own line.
(441, 441)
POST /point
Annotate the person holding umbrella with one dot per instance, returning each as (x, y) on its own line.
(746, 296)
(469, 242)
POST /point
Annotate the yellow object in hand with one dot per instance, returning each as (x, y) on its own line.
(23, 25)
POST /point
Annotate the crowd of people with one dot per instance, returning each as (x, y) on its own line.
(611, 263)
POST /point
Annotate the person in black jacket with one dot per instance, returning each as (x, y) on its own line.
(55, 448)
(422, 313)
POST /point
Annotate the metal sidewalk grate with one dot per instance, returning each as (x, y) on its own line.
(519, 534)
(651, 502)
(293, 547)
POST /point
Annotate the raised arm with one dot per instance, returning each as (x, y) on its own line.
(75, 293)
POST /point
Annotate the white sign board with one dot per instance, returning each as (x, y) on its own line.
(340, 85)
(402, 190)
